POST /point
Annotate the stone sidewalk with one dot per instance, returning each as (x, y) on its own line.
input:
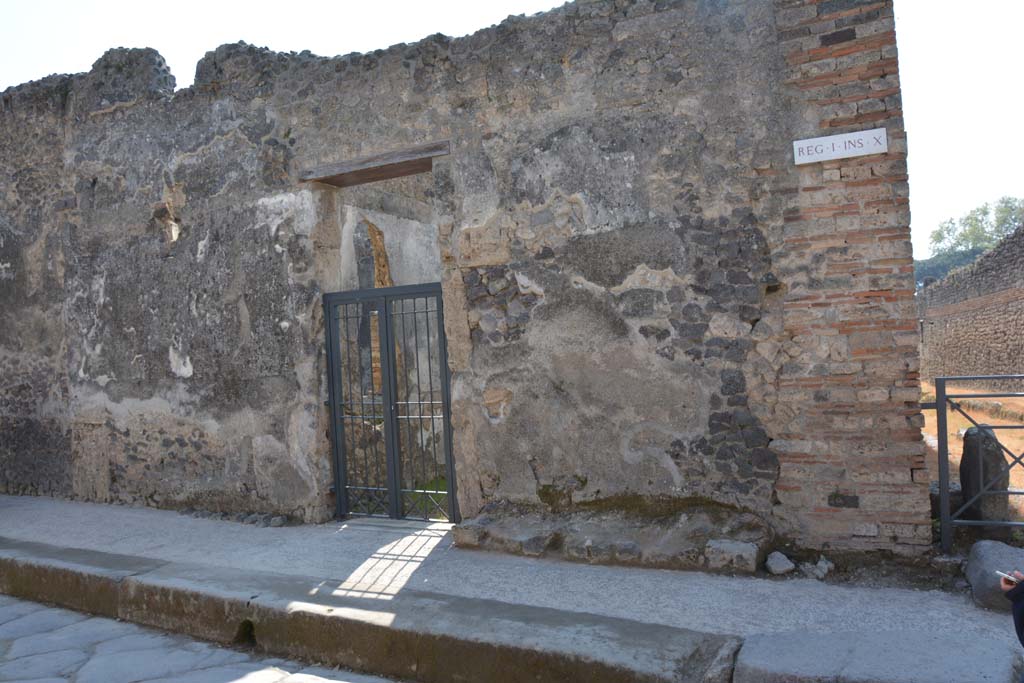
(46, 644)
(397, 599)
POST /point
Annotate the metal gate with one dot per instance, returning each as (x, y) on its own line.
(945, 403)
(389, 397)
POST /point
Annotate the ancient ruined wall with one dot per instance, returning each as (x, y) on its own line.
(646, 302)
(971, 320)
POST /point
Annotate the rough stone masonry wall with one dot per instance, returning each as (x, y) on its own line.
(647, 304)
(971, 320)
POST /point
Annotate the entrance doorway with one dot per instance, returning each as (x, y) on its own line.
(390, 403)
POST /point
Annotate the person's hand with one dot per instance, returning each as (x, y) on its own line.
(1006, 584)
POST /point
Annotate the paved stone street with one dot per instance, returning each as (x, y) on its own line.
(40, 644)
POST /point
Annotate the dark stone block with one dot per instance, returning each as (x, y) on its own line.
(735, 354)
(721, 292)
(744, 418)
(832, 6)
(843, 500)
(858, 19)
(719, 422)
(792, 33)
(659, 333)
(764, 459)
(690, 331)
(838, 37)
(733, 382)
(639, 303)
(693, 313)
(738, 277)
(754, 438)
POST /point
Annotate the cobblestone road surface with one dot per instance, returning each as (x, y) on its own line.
(44, 644)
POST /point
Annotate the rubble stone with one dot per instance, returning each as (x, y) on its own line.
(818, 570)
(778, 564)
(682, 540)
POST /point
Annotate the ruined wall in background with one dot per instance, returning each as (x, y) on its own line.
(647, 304)
(971, 320)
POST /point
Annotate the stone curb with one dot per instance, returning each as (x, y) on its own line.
(414, 635)
(434, 637)
(875, 657)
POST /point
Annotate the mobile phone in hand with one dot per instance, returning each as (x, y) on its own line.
(1011, 579)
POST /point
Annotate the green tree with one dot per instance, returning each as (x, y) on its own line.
(938, 266)
(981, 228)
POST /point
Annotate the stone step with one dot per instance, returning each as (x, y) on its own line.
(412, 634)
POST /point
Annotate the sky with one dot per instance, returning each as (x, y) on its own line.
(960, 66)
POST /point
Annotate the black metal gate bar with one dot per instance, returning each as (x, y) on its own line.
(446, 412)
(397, 480)
(334, 381)
(943, 401)
(387, 365)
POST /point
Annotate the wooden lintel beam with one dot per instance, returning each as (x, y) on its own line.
(384, 166)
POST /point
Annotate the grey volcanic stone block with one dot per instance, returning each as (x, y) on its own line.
(982, 464)
(724, 554)
(917, 656)
(679, 541)
(986, 557)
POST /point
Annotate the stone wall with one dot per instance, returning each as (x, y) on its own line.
(646, 301)
(971, 320)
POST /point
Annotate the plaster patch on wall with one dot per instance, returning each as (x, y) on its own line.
(528, 286)
(273, 211)
(181, 365)
(201, 248)
(634, 453)
(645, 277)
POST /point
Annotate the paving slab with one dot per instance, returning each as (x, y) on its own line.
(12, 609)
(170, 657)
(875, 657)
(79, 634)
(136, 665)
(41, 621)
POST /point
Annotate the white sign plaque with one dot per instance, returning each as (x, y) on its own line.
(857, 144)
